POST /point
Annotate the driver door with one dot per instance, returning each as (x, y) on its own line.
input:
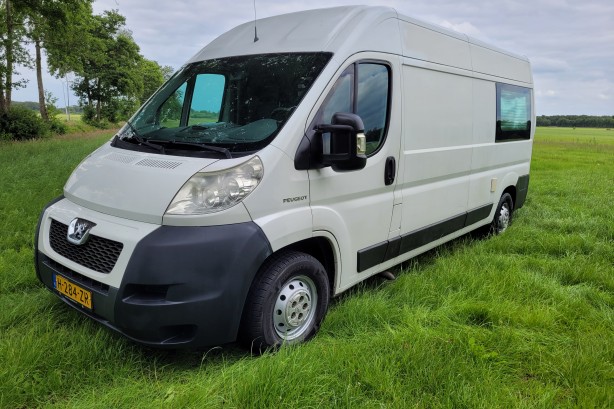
(356, 207)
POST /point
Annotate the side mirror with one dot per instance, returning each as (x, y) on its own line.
(344, 143)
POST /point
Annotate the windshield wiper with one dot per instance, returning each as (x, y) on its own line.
(203, 146)
(141, 141)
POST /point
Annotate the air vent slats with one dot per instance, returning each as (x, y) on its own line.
(118, 157)
(155, 163)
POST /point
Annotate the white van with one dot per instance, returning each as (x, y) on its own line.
(272, 172)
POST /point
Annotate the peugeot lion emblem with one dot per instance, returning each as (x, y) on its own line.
(79, 231)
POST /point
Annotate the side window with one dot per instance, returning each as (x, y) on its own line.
(364, 94)
(206, 99)
(340, 98)
(513, 113)
(372, 102)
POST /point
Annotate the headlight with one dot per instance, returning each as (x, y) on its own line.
(215, 191)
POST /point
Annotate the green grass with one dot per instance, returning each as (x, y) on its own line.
(75, 126)
(525, 319)
(73, 117)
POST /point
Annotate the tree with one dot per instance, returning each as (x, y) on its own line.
(112, 78)
(106, 66)
(12, 51)
(48, 23)
(167, 72)
(153, 76)
(68, 43)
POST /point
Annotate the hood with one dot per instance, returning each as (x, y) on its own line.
(132, 185)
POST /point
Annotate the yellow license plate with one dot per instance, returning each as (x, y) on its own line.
(73, 291)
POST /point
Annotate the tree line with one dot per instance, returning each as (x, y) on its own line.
(576, 121)
(35, 106)
(111, 77)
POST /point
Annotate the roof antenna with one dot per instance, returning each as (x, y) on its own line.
(255, 28)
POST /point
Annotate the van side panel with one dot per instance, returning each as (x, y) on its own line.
(426, 44)
(280, 207)
(492, 62)
(437, 137)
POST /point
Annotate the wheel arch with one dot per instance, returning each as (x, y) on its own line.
(322, 250)
(318, 248)
(512, 191)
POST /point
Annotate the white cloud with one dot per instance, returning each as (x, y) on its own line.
(544, 64)
(465, 27)
(546, 93)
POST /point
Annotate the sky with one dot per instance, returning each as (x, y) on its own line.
(570, 43)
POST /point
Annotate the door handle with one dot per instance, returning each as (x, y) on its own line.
(390, 170)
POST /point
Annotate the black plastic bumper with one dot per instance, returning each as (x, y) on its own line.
(183, 286)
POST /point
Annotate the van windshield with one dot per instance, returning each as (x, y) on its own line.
(229, 106)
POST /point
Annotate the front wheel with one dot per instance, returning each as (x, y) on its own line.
(503, 215)
(286, 303)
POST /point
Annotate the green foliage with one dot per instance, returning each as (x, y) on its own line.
(90, 118)
(21, 124)
(204, 116)
(50, 101)
(521, 320)
(31, 105)
(108, 69)
(56, 126)
(112, 78)
(576, 121)
(13, 51)
(153, 78)
(76, 126)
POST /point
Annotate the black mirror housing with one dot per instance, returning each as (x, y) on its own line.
(343, 142)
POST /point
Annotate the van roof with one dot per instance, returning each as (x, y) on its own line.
(304, 31)
(347, 30)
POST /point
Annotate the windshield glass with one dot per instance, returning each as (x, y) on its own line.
(235, 105)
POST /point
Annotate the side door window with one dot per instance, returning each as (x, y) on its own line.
(206, 101)
(340, 99)
(372, 102)
(363, 89)
(204, 93)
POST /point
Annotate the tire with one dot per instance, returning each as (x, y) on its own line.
(503, 215)
(286, 302)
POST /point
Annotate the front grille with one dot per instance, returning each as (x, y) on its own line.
(98, 254)
(76, 277)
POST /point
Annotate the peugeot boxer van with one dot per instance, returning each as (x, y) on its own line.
(273, 172)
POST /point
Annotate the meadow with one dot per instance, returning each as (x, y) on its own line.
(520, 320)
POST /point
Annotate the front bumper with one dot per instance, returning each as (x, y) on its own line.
(177, 287)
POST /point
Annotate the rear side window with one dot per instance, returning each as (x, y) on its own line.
(513, 113)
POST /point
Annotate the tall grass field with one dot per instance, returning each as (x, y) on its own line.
(520, 320)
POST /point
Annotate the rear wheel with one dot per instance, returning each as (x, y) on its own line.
(503, 215)
(286, 302)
